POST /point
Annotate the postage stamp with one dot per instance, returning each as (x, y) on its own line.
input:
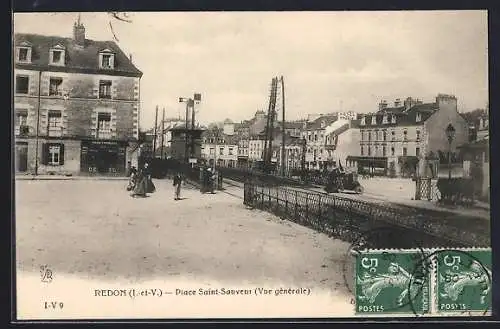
(463, 281)
(392, 282)
(423, 282)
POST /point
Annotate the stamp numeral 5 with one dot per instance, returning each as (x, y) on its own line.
(369, 263)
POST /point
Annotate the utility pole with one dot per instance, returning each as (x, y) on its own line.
(271, 112)
(186, 141)
(273, 116)
(162, 132)
(283, 154)
(155, 132)
(192, 127)
(38, 120)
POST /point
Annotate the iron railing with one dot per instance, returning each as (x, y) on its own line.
(349, 219)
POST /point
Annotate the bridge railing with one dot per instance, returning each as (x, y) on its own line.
(348, 219)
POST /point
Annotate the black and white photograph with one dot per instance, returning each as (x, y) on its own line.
(216, 165)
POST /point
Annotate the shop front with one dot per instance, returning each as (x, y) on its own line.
(21, 157)
(372, 166)
(103, 157)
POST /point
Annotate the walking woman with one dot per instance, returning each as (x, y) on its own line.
(132, 179)
(140, 185)
(150, 187)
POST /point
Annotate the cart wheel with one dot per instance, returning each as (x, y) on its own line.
(358, 189)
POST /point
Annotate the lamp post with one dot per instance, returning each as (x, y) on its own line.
(216, 133)
(450, 134)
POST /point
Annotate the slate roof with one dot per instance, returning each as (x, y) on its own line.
(77, 59)
(316, 124)
(403, 117)
(294, 125)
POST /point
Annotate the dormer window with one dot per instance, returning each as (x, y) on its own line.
(385, 119)
(57, 55)
(322, 124)
(363, 121)
(418, 118)
(106, 59)
(23, 52)
(374, 120)
(393, 119)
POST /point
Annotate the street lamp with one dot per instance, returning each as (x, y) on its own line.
(450, 134)
(216, 135)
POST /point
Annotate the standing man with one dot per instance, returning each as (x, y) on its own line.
(202, 179)
(177, 185)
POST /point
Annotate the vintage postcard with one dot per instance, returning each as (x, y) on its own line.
(216, 165)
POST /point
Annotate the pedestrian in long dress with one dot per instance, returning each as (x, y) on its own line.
(140, 185)
(150, 187)
(177, 185)
(211, 180)
(132, 179)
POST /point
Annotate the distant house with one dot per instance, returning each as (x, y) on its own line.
(220, 148)
(342, 143)
(314, 134)
(476, 157)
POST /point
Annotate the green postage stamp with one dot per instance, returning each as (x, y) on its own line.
(463, 281)
(423, 282)
(392, 282)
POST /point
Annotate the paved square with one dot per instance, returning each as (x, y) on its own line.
(94, 229)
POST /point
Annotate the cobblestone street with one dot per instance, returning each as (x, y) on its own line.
(94, 231)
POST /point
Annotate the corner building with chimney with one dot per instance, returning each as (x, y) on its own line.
(76, 105)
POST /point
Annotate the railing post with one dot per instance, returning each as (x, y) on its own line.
(296, 204)
(307, 206)
(418, 183)
(429, 189)
(286, 202)
(319, 207)
(277, 198)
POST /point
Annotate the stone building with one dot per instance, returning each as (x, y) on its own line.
(76, 105)
(314, 133)
(220, 146)
(408, 130)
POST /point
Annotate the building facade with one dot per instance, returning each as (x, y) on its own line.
(219, 148)
(411, 129)
(316, 154)
(76, 105)
(342, 143)
(186, 144)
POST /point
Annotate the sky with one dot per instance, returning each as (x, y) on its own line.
(330, 61)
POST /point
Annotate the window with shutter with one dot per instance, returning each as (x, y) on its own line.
(61, 154)
(45, 154)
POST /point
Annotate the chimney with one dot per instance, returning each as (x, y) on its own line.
(130, 56)
(382, 105)
(408, 103)
(79, 33)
